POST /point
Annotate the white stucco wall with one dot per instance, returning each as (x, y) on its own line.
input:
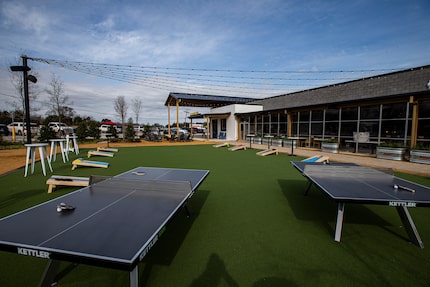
(232, 124)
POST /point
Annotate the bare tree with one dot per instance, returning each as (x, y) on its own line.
(58, 100)
(120, 106)
(137, 107)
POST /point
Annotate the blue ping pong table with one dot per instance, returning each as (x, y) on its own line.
(351, 183)
(113, 223)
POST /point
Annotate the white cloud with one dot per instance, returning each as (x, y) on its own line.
(107, 24)
(31, 19)
(237, 35)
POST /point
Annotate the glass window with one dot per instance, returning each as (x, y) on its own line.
(394, 111)
(304, 116)
(331, 128)
(266, 129)
(283, 130)
(317, 115)
(332, 115)
(348, 128)
(349, 113)
(259, 119)
(371, 127)
(393, 129)
(294, 131)
(424, 109)
(283, 118)
(316, 129)
(266, 126)
(304, 129)
(274, 127)
(294, 117)
(258, 125)
(283, 125)
(369, 112)
(424, 129)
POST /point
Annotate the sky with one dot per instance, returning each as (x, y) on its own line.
(248, 48)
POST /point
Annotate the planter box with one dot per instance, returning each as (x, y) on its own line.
(391, 153)
(420, 156)
(288, 143)
(277, 142)
(330, 147)
(256, 140)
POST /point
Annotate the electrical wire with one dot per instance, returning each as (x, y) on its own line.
(259, 83)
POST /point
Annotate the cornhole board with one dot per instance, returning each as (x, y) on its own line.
(100, 153)
(237, 147)
(317, 158)
(268, 152)
(89, 163)
(221, 145)
(55, 180)
(109, 149)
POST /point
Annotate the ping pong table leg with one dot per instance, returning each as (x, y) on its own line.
(409, 224)
(339, 221)
(308, 188)
(50, 273)
(134, 277)
(187, 209)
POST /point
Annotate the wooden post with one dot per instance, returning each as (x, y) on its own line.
(414, 128)
(207, 128)
(177, 118)
(290, 124)
(168, 119)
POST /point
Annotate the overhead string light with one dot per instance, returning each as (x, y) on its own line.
(259, 83)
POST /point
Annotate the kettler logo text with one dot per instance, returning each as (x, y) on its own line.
(150, 245)
(34, 253)
(400, 203)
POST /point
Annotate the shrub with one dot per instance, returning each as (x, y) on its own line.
(46, 134)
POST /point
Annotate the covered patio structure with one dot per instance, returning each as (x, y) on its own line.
(201, 101)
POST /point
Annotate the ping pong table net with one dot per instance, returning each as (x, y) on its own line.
(112, 184)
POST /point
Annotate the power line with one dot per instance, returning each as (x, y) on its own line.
(257, 82)
(51, 61)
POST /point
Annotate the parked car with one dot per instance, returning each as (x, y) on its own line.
(182, 135)
(105, 128)
(60, 128)
(4, 131)
(138, 130)
(181, 131)
(20, 128)
(199, 130)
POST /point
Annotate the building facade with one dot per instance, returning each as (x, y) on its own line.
(390, 108)
(358, 115)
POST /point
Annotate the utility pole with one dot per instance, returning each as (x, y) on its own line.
(24, 69)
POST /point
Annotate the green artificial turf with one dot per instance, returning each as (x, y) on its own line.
(251, 226)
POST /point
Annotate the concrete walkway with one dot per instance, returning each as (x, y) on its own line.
(361, 159)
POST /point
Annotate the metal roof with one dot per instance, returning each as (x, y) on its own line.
(400, 83)
(210, 101)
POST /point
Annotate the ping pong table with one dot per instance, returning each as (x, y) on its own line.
(351, 183)
(113, 223)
